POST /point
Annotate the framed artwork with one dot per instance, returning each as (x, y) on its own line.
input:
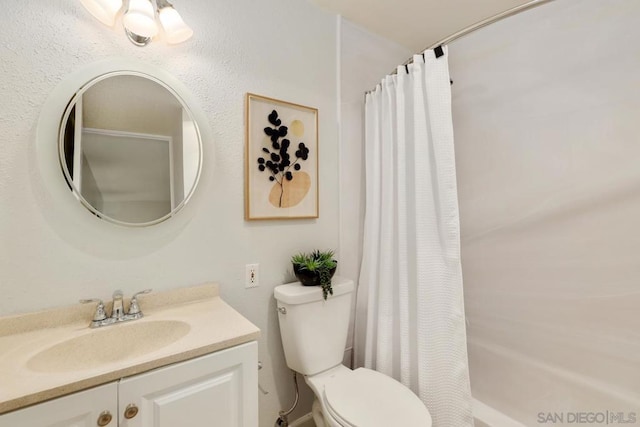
(281, 159)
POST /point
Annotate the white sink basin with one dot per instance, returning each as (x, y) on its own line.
(108, 344)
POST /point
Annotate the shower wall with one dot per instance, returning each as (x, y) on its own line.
(546, 109)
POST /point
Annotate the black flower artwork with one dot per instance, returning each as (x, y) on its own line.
(276, 160)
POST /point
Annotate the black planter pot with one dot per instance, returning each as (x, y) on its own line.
(309, 278)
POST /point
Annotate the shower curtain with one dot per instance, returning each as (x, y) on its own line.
(412, 325)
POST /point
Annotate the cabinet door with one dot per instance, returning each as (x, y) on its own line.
(217, 390)
(80, 409)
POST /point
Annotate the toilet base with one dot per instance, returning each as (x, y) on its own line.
(316, 383)
(318, 416)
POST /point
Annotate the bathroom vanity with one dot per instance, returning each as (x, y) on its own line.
(190, 361)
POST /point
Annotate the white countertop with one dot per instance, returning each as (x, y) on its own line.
(213, 325)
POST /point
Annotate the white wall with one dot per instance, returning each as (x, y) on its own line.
(365, 59)
(280, 48)
(546, 115)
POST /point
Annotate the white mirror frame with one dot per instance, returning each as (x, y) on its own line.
(53, 114)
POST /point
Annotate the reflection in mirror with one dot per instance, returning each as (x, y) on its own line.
(130, 149)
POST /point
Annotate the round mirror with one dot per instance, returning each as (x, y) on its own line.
(130, 148)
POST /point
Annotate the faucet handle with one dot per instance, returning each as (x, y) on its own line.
(100, 313)
(146, 291)
(134, 308)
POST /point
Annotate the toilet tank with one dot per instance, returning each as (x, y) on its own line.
(314, 331)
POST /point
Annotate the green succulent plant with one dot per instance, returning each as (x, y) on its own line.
(320, 262)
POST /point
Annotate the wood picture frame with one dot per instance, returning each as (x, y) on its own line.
(281, 159)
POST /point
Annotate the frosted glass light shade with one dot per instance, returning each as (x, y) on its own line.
(176, 31)
(104, 11)
(140, 18)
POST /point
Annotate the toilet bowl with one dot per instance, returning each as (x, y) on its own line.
(314, 334)
(364, 398)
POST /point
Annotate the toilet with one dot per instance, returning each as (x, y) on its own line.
(314, 334)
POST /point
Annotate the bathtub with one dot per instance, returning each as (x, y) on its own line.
(486, 416)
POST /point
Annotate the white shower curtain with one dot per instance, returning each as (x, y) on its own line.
(410, 297)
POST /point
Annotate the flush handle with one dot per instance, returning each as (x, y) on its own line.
(282, 310)
(104, 418)
(130, 411)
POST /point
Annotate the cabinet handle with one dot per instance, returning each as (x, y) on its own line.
(130, 411)
(104, 418)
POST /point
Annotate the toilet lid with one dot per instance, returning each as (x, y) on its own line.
(366, 398)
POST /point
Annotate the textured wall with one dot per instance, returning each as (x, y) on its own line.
(280, 48)
(547, 148)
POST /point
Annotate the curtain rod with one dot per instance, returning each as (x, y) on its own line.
(471, 28)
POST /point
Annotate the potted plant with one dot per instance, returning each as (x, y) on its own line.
(315, 269)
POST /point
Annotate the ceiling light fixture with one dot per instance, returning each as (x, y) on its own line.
(174, 27)
(104, 11)
(139, 19)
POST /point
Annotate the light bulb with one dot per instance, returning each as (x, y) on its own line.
(104, 11)
(176, 31)
(140, 18)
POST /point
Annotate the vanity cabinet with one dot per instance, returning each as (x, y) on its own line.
(219, 389)
(75, 410)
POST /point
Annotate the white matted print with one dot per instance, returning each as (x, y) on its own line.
(281, 159)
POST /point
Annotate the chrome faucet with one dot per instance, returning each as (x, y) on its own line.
(117, 310)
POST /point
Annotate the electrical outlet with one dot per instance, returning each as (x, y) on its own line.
(251, 277)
